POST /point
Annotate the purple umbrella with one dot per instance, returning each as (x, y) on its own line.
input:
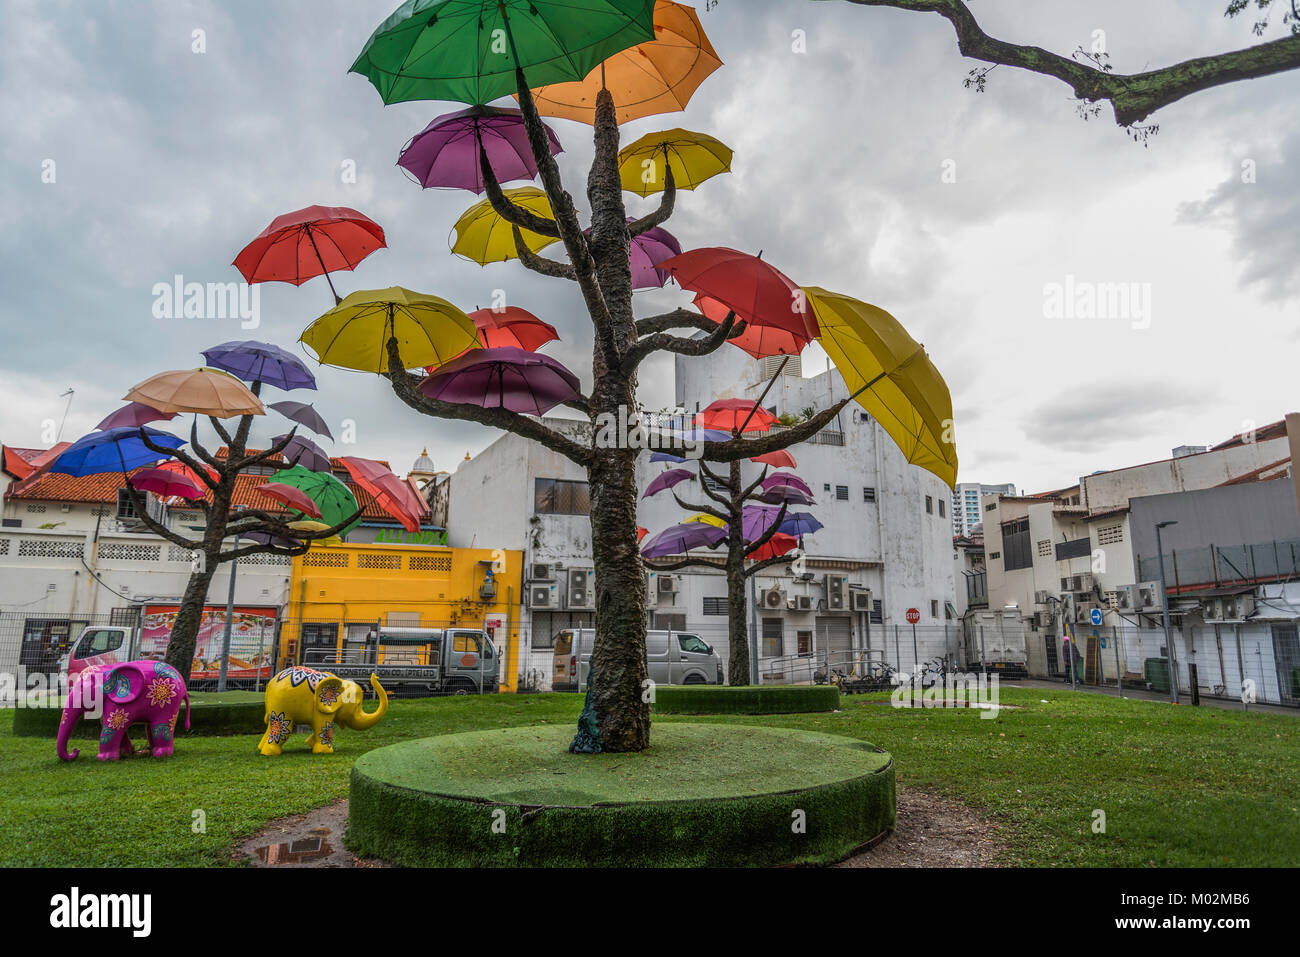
(446, 153)
(267, 538)
(303, 414)
(755, 520)
(304, 452)
(788, 479)
(667, 480)
(255, 361)
(134, 414)
(666, 457)
(785, 494)
(799, 524)
(648, 250)
(503, 378)
(678, 539)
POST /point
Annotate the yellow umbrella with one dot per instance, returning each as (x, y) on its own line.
(354, 334)
(484, 237)
(203, 391)
(693, 157)
(307, 525)
(706, 518)
(904, 391)
(654, 77)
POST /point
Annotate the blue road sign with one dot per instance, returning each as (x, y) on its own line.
(1094, 616)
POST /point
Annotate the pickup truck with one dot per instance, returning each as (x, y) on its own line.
(458, 661)
(672, 658)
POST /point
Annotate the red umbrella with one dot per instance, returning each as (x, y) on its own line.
(512, 326)
(134, 413)
(393, 495)
(175, 465)
(731, 414)
(165, 483)
(295, 498)
(759, 341)
(304, 244)
(777, 545)
(780, 459)
(641, 533)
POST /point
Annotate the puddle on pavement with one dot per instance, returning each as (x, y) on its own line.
(302, 851)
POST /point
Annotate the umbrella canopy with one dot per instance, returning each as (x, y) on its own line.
(798, 524)
(785, 478)
(202, 391)
(288, 495)
(512, 326)
(641, 533)
(449, 49)
(706, 518)
(755, 520)
(646, 252)
(655, 77)
(759, 341)
(693, 158)
(354, 334)
(785, 495)
(780, 459)
(113, 450)
(379, 481)
(176, 465)
(446, 154)
(134, 414)
(303, 414)
(666, 457)
(304, 452)
(679, 539)
(309, 242)
(776, 546)
(667, 480)
(267, 538)
(731, 414)
(310, 525)
(504, 378)
(334, 499)
(263, 362)
(482, 236)
(907, 395)
(166, 483)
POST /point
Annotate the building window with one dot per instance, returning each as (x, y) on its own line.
(868, 494)
(1075, 549)
(1110, 535)
(125, 507)
(1015, 542)
(995, 554)
(877, 613)
(826, 487)
(942, 514)
(841, 493)
(1045, 548)
(715, 606)
(934, 608)
(803, 642)
(929, 505)
(561, 497)
(990, 506)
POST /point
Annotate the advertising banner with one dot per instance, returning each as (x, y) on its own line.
(252, 640)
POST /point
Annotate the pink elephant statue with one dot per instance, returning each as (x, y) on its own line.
(128, 692)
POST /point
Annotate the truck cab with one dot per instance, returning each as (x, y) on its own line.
(672, 657)
(101, 645)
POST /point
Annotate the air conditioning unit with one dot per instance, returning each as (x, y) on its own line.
(861, 600)
(805, 602)
(667, 585)
(580, 594)
(1045, 619)
(1042, 597)
(1083, 614)
(1124, 597)
(540, 572)
(835, 587)
(773, 598)
(1066, 583)
(792, 603)
(1148, 597)
(542, 596)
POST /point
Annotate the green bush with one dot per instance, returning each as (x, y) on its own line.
(745, 699)
(234, 712)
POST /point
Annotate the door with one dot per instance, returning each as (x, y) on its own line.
(834, 639)
(466, 656)
(658, 659)
(1286, 657)
(697, 659)
(320, 643)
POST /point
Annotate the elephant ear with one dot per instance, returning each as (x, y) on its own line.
(329, 694)
(123, 684)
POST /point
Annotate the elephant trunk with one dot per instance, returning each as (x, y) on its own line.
(359, 720)
(69, 721)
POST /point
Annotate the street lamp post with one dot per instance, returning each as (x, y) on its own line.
(230, 613)
(1164, 604)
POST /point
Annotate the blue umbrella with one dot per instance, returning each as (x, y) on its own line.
(666, 457)
(255, 361)
(799, 524)
(113, 450)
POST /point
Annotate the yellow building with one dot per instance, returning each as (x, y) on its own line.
(340, 594)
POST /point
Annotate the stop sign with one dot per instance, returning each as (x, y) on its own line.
(913, 616)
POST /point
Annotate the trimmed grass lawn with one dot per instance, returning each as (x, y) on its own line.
(1179, 786)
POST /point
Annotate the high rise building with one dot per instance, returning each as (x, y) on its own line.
(966, 504)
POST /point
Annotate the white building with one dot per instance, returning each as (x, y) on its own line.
(966, 499)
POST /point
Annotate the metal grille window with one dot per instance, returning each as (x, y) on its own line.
(1075, 549)
(325, 560)
(561, 497)
(382, 560)
(715, 606)
(125, 507)
(122, 552)
(1110, 535)
(934, 608)
(877, 613)
(430, 563)
(1015, 542)
(868, 494)
(841, 493)
(1045, 548)
(38, 509)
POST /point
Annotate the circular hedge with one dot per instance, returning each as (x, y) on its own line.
(214, 713)
(699, 796)
(745, 699)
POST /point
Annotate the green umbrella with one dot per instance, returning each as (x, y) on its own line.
(467, 50)
(334, 499)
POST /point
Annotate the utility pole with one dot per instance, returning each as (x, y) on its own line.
(1164, 604)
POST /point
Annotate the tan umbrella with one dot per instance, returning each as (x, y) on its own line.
(203, 391)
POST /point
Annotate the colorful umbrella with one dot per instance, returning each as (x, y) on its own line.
(693, 158)
(904, 391)
(334, 499)
(785, 478)
(288, 495)
(310, 242)
(166, 483)
(646, 251)
(503, 378)
(304, 452)
(755, 520)
(798, 524)
(655, 77)
(377, 479)
(679, 539)
(667, 480)
(512, 326)
(452, 49)
(759, 341)
(355, 333)
(780, 459)
(202, 391)
(706, 518)
(112, 450)
(446, 154)
(482, 236)
(309, 525)
(134, 414)
(785, 495)
(730, 415)
(666, 457)
(641, 533)
(775, 547)
(179, 467)
(261, 362)
(303, 414)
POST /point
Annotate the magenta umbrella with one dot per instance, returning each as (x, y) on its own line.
(166, 483)
(647, 251)
(786, 478)
(503, 378)
(678, 539)
(446, 154)
(294, 498)
(667, 480)
(785, 494)
(755, 520)
(134, 414)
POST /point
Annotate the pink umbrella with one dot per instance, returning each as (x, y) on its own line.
(393, 495)
(295, 498)
(780, 459)
(133, 414)
(166, 483)
(667, 480)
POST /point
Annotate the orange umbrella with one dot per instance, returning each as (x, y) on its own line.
(202, 391)
(176, 465)
(777, 545)
(729, 415)
(658, 76)
(780, 459)
(393, 495)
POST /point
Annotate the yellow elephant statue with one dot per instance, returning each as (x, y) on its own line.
(306, 696)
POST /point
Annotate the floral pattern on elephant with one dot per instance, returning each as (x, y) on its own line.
(160, 692)
(297, 675)
(127, 693)
(329, 694)
(278, 728)
(326, 735)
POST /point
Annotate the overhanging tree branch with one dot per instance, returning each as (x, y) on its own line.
(663, 213)
(511, 212)
(666, 342)
(540, 264)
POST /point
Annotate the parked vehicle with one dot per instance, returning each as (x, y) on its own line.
(102, 645)
(994, 641)
(672, 657)
(417, 660)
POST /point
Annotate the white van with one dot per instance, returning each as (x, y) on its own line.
(672, 657)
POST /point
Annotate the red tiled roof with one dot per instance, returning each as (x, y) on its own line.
(1271, 431)
(1258, 475)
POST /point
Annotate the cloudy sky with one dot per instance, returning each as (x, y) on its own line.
(861, 165)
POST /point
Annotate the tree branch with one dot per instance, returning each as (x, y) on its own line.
(757, 567)
(540, 264)
(706, 509)
(512, 213)
(665, 210)
(734, 449)
(683, 319)
(665, 342)
(181, 457)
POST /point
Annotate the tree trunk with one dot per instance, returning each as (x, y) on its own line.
(737, 607)
(184, 636)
